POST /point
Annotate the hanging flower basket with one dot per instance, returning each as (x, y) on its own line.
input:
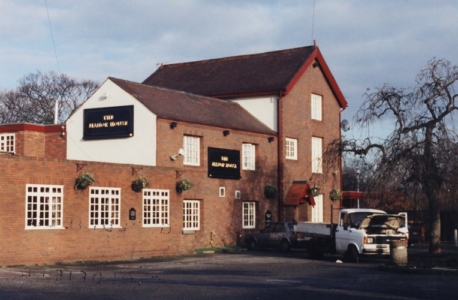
(335, 194)
(315, 191)
(184, 185)
(270, 191)
(84, 180)
(139, 184)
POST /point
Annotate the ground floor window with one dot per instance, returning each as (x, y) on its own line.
(104, 207)
(156, 208)
(44, 206)
(317, 210)
(191, 214)
(249, 215)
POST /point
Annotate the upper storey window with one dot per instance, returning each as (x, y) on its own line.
(7, 142)
(249, 157)
(291, 148)
(191, 147)
(316, 107)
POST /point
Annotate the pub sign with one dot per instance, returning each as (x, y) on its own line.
(108, 122)
(223, 163)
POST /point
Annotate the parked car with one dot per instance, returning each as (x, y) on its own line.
(278, 236)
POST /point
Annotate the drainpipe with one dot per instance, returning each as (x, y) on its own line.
(280, 149)
(340, 160)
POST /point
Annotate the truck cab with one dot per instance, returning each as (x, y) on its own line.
(368, 232)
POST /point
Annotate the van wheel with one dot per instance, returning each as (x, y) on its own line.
(352, 254)
(252, 246)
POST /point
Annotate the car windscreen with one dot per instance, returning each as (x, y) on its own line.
(357, 217)
(388, 221)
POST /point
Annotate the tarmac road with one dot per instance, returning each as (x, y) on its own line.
(239, 275)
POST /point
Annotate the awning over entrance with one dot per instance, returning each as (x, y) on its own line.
(299, 193)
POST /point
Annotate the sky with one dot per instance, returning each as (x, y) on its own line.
(366, 43)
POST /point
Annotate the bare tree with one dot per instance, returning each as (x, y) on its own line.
(421, 150)
(35, 98)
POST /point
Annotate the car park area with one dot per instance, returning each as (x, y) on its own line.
(232, 275)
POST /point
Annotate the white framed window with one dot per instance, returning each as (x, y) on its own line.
(104, 207)
(248, 157)
(291, 148)
(44, 206)
(249, 215)
(317, 155)
(191, 147)
(317, 101)
(222, 191)
(7, 143)
(317, 210)
(156, 208)
(191, 215)
(238, 194)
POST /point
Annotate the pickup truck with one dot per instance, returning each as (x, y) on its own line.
(357, 232)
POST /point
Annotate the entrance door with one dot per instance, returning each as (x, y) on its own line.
(317, 210)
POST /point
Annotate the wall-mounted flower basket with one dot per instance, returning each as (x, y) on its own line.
(184, 185)
(270, 191)
(315, 191)
(84, 180)
(139, 184)
(335, 194)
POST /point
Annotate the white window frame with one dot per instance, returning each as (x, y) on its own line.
(248, 157)
(156, 208)
(44, 205)
(222, 192)
(191, 215)
(248, 215)
(8, 142)
(104, 207)
(191, 147)
(238, 194)
(317, 104)
(291, 148)
(317, 210)
(317, 155)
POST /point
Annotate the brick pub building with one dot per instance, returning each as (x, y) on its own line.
(231, 126)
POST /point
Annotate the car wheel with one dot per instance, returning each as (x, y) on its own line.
(352, 254)
(252, 245)
(285, 247)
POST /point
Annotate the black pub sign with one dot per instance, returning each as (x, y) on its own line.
(223, 163)
(108, 122)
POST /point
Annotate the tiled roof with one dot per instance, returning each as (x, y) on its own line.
(246, 75)
(255, 73)
(186, 107)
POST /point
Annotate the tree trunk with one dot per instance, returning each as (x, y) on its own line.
(435, 222)
(431, 185)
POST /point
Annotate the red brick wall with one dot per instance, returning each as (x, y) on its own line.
(222, 216)
(78, 242)
(30, 143)
(55, 145)
(297, 123)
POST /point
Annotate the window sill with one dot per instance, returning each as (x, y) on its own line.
(189, 231)
(44, 227)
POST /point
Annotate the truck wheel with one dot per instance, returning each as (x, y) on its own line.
(285, 247)
(252, 245)
(352, 254)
